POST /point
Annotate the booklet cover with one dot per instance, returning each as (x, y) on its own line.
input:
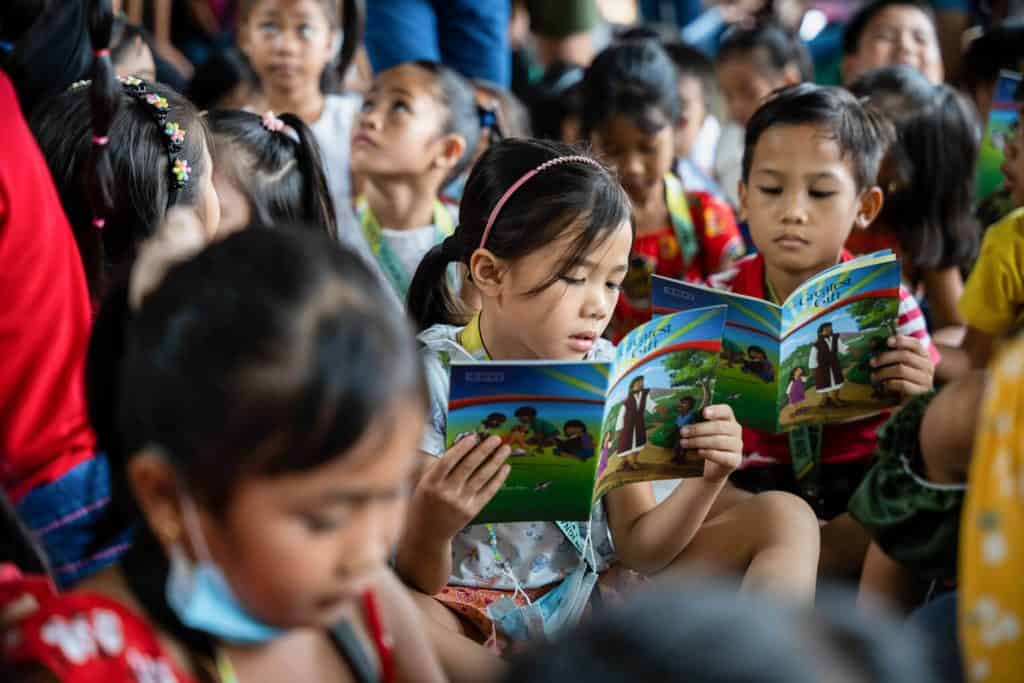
(579, 429)
(807, 361)
(998, 130)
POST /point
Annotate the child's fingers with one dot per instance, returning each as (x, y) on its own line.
(726, 427)
(909, 373)
(490, 489)
(487, 470)
(730, 459)
(905, 357)
(719, 412)
(907, 388)
(452, 457)
(465, 468)
(718, 442)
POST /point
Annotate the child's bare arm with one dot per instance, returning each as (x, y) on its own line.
(648, 537)
(979, 347)
(415, 659)
(451, 492)
(948, 428)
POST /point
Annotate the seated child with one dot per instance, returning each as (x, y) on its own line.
(927, 176)
(269, 504)
(887, 32)
(418, 129)
(631, 110)
(993, 299)
(546, 234)
(809, 169)
(577, 442)
(269, 166)
(750, 64)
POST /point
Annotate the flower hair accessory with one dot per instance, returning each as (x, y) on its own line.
(575, 158)
(272, 123)
(174, 134)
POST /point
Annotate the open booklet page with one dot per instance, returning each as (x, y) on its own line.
(808, 360)
(571, 424)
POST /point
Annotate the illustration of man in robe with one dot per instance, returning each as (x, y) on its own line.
(824, 361)
(631, 425)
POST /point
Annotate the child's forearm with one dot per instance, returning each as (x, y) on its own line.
(650, 542)
(424, 560)
(414, 656)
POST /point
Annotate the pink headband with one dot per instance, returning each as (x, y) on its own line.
(522, 180)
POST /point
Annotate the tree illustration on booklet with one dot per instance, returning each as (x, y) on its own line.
(693, 371)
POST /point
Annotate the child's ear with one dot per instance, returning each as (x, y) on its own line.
(452, 148)
(488, 272)
(869, 208)
(155, 486)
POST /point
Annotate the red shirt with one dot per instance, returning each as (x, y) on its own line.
(45, 318)
(658, 253)
(845, 442)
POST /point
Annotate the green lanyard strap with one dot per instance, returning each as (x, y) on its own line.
(397, 275)
(805, 452)
(682, 220)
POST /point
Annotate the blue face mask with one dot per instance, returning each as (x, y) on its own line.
(200, 595)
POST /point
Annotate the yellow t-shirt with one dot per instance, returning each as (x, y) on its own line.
(993, 299)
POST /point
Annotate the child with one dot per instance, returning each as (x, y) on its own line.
(290, 44)
(1000, 47)
(577, 441)
(418, 129)
(130, 52)
(993, 299)
(809, 167)
(270, 166)
(631, 110)
(122, 153)
(278, 450)
(887, 32)
(697, 85)
(751, 63)
(548, 256)
(928, 180)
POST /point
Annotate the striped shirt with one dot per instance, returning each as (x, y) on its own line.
(845, 442)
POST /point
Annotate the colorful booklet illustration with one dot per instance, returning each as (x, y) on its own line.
(807, 361)
(580, 429)
(998, 131)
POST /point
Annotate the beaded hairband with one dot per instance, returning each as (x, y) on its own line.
(174, 134)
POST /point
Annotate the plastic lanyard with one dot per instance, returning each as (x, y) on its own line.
(397, 275)
(682, 220)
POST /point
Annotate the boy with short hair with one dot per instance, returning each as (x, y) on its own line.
(889, 32)
(809, 165)
(696, 79)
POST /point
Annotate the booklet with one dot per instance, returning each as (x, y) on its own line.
(579, 429)
(807, 361)
(998, 131)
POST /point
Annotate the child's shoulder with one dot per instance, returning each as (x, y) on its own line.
(1010, 228)
(82, 636)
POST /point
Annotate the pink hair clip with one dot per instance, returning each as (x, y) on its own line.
(100, 140)
(272, 123)
(98, 223)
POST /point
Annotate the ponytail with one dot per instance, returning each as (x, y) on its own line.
(352, 32)
(104, 100)
(431, 300)
(317, 206)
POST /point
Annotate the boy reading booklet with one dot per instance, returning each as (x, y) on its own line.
(808, 360)
(662, 377)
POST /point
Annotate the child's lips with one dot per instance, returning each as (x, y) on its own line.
(362, 139)
(790, 242)
(582, 341)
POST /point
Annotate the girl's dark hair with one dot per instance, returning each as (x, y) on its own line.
(713, 633)
(457, 96)
(855, 28)
(224, 71)
(635, 79)
(554, 98)
(282, 176)
(268, 353)
(930, 193)
(770, 46)
(50, 47)
(584, 198)
(861, 134)
(1001, 47)
(515, 119)
(127, 182)
(692, 62)
(344, 16)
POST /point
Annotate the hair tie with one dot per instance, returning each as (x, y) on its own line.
(98, 222)
(522, 181)
(103, 52)
(100, 140)
(272, 123)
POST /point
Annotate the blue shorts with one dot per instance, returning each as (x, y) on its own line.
(63, 515)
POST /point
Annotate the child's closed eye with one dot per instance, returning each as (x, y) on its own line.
(321, 524)
(821, 194)
(573, 280)
(768, 189)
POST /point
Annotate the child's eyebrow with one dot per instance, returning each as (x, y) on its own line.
(588, 263)
(341, 496)
(400, 91)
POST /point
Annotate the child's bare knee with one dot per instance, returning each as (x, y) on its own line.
(789, 515)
